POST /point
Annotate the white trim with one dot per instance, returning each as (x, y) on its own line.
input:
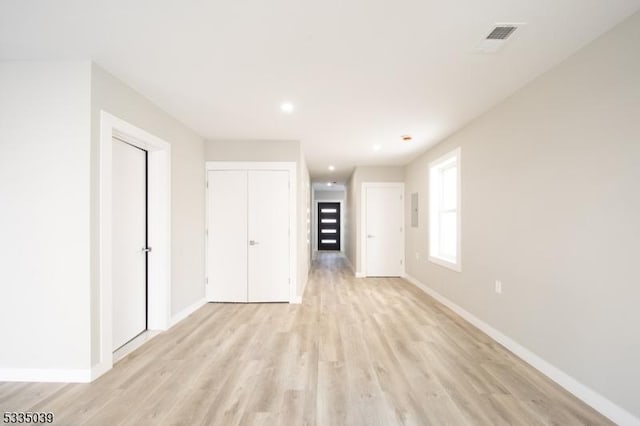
(184, 313)
(457, 265)
(589, 396)
(45, 375)
(442, 262)
(363, 223)
(296, 300)
(159, 225)
(289, 166)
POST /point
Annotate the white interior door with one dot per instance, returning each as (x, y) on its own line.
(268, 236)
(129, 289)
(384, 224)
(227, 236)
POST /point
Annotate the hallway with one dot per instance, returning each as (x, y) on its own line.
(356, 352)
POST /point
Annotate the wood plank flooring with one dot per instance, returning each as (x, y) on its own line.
(356, 352)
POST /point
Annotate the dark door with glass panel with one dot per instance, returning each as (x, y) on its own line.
(329, 226)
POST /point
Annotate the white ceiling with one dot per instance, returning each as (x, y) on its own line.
(360, 72)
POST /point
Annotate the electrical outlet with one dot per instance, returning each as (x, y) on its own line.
(417, 255)
(499, 287)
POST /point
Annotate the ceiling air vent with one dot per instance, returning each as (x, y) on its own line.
(496, 38)
(501, 33)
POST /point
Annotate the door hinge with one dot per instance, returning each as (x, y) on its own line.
(206, 280)
(207, 184)
(401, 261)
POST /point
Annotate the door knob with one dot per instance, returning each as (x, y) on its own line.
(253, 243)
(146, 249)
(371, 236)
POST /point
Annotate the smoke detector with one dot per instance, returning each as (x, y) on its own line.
(497, 37)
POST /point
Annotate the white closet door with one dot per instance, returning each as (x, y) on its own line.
(129, 239)
(268, 236)
(384, 237)
(227, 236)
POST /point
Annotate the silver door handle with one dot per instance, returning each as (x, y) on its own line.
(253, 243)
(146, 249)
(371, 236)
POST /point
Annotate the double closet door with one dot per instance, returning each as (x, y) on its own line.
(248, 236)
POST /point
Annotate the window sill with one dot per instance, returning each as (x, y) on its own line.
(446, 263)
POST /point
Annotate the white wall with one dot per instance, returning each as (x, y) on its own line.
(252, 150)
(360, 175)
(187, 188)
(44, 217)
(551, 206)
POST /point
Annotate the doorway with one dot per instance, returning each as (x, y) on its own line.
(383, 231)
(158, 176)
(329, 226)
(130, 242)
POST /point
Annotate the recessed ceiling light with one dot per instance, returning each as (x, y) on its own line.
(377, 147)
(287, 107)
(331, 168)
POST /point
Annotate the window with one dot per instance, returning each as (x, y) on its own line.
(444, 210)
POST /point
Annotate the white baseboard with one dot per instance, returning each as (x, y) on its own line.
(592, 398)
(297, 299)
(45, 375)
(356, 273)
(99, 369)
(187, 311)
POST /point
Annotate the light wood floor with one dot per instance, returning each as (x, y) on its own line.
(356, 352)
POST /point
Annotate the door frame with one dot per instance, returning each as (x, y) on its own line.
(289, 166)
(363, 222)
(158, 228)
(315, 223)
(136, 152)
